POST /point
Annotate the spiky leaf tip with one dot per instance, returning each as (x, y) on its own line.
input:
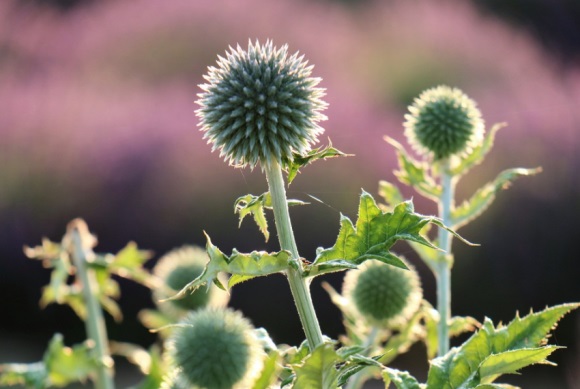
(261, 105)
(443, 122)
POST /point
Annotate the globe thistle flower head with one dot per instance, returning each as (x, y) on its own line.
(175, 270)
(383, 294)
(443, 122)
(217, 349)
(260, 105)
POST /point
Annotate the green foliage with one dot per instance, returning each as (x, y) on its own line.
(60, 367)
(373, 236)
(255, 206)
(401, 379)
(493, 351)
(301, 161)
(318, 369)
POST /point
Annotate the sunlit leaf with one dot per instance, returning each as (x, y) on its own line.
(483, 198)
(300, 161)
(66, 365)
(373, 236)
(401, 379)
(318, 369)
(478, 153)
(269, 371)
(390, 193)
(245, 266)
(128, 263)
(414, 173)
(516, 345)
(31, 375)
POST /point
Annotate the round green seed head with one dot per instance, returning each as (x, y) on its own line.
(260, 105)
(382, 293)
(216, 349)
(175, 270)
(442, 122)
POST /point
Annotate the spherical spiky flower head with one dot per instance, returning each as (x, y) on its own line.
(176, 269)
(383, 294)
(216, 349)
(442, 122)
(261, 105)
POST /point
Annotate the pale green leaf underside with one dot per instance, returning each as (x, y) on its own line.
(255, 206)
(300, 161)
(414, 173)
(318, 369)
(372, 237)
(401, 379)
(496, 386)
(484, 197)
(492, 351)
(242, 267)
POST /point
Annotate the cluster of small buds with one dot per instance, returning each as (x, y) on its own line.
(261, 105)
(443, 122)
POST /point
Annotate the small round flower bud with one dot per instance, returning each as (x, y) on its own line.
(216, 349)
(260, 105)
(383, 294)
(442, 122)
(176, 269)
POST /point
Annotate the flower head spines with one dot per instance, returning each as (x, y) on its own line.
(443, 122)
(216, 348)
(261, 105)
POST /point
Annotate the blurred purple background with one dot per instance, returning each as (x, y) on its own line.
(97, 121)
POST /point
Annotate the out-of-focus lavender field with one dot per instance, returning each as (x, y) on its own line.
(97, 121)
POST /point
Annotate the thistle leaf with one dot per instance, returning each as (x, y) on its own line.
(242, 266)
(478, 153)
(496, 386)
(401, 379)
(484, 197)
(65, 365)
(299, 161)
(269, 371)
(31, 375)
(318, 369)
(128, 263)
(372, 237)
(414, 173)
(493, 351)
(255, 205)
(390, 193)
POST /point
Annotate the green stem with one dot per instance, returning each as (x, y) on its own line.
(357, 381)
(298, 285)
(95, 323)
(445, 261)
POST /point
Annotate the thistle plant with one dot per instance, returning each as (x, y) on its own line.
(261, 106)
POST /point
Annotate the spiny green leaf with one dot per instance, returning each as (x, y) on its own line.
(483, 198)
(66, 365)
(149, 362)
(375, 233)
(401, 379)
(390, 193)
(128, 263)
(318, 369)
(478, 153)
(414, 173)
(511, 361)
(496, 386)
(353, 365)
(245, 266)
(464, 366)
(300, 161)
(255, 205)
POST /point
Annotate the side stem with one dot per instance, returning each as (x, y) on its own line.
(445, 260)
(298, 286)
(95, 323)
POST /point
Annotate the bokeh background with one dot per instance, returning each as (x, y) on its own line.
(97, 121)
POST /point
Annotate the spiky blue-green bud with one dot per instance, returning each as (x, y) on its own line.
(261, 105)
(382, 293)
(216, 349)
(175, 270)
(442, 122)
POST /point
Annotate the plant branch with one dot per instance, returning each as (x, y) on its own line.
(95, 323)
(445, 259)
(298, 285)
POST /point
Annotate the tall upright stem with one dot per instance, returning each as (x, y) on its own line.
(95, 323)
(298, 286)
(445, 260)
